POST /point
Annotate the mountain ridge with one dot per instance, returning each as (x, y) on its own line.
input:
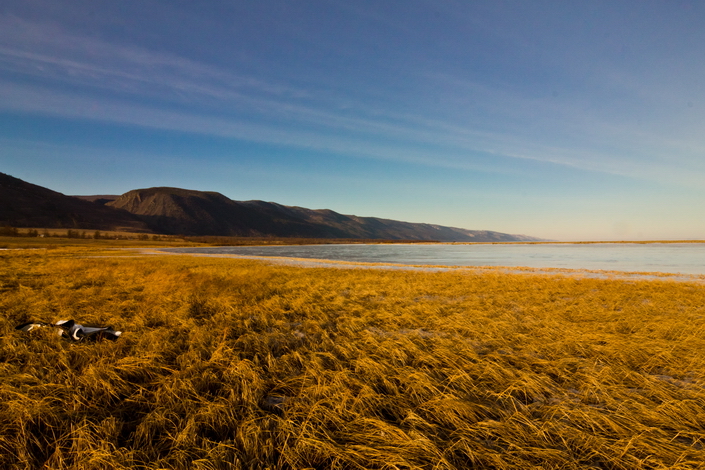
(172, 210)
(24, 204)
(178, 211)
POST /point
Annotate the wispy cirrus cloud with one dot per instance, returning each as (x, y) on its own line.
(50, 70)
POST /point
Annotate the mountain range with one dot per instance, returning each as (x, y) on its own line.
(176, 211)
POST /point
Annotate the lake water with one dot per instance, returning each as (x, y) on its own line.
(684, 258)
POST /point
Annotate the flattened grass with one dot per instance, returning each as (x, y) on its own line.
(237, 364)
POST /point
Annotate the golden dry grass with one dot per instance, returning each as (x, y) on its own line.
(236, 364)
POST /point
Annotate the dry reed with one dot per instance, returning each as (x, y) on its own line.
(237, 364)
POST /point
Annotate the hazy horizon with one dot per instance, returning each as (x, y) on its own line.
(555, 120)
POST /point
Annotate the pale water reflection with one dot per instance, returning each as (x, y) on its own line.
(684, 258)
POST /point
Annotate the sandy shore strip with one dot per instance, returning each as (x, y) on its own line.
(323, 263)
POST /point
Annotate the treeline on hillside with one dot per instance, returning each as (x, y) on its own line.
(239, 241)
(8, 231)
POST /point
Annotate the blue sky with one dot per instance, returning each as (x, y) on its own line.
(562, 120)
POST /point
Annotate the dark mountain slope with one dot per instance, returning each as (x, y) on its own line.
(101, 199)
(373, 227)
(180, 211)
(186, 212)
(24, 204)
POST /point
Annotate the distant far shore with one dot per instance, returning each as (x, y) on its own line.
(12, 237)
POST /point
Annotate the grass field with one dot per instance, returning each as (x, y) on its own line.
(56, 238)
(236, 364)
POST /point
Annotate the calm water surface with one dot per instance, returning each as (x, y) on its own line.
(684, 258)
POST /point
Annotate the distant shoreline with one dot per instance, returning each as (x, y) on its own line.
(329, 263)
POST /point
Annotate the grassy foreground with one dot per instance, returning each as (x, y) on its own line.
(230, 364)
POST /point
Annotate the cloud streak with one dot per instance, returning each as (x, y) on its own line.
(69, 75)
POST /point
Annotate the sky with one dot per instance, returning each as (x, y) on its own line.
(560, 120)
